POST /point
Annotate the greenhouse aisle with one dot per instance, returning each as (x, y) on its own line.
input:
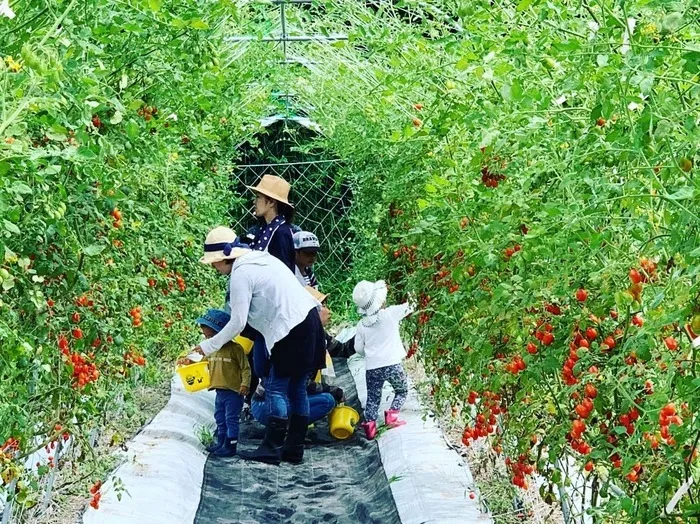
(396, 479)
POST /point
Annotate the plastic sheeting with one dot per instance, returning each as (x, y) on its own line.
(163, 468)
(339, 482)
(430, 482)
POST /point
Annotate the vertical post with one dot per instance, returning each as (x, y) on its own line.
(7, 510)
(52, 476)
(283, 20)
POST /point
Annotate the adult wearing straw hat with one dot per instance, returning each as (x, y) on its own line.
(273, 207)
(270, 300)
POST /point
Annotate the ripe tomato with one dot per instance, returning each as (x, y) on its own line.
(581, 295)
(547, 338)
(531, 348)
(77, 333)
(590, 391)
(635, 276)
(671, 343)
(591, 333)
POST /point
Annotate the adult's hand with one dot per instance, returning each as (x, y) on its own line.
(325, 315)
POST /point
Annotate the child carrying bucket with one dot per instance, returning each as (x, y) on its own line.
(379, 340)
(229, 373)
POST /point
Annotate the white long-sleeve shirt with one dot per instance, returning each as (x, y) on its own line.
(380, 342)
(266, 295)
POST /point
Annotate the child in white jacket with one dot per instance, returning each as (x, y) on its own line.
(379, 340)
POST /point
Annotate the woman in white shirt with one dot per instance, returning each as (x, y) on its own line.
(379, 340)
(266, 296)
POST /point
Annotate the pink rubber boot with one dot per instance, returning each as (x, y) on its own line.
(370, 429)
(391, 418)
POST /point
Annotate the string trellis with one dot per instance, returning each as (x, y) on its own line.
(322, 204)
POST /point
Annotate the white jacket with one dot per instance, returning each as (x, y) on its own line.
(266, 295)
(378, 337)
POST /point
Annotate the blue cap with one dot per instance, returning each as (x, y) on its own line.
(215, 319)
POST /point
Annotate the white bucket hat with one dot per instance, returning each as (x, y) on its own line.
(222, 244)
(369, 297)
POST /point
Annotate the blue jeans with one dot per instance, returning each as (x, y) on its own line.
(286, 396)
(320, 405)
(227, 412)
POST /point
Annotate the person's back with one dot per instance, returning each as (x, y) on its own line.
(380, 338)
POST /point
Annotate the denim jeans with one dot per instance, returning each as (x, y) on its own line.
(320, 405)
(286, 396)
(227, 412)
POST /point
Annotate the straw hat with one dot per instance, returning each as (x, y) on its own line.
(369, 296)
(222, 244)
(274, 187)
(316, 293)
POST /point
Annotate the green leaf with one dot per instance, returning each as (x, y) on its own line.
(155, 5)
(692, 62)
(462, 64)
(199, 24)
(523, 4)
(9, 226)
(94, 250)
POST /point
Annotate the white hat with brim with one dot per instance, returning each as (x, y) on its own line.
(222, 244)
(369, 297)
(275, 187)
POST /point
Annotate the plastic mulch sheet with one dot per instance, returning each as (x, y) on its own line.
(339, 481)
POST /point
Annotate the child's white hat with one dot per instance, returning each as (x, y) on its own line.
(222, 244)
(369, 297)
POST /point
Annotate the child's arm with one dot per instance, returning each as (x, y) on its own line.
(400, 311)
(241, 293)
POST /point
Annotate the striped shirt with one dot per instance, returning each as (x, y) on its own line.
(307, 278)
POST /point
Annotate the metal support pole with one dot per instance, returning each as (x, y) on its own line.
(301, 38)
(283, 21)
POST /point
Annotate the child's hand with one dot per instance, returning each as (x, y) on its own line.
(184, 362)
(244, 390)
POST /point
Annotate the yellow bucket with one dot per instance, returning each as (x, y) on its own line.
(195, 377)
(245, 343)
(343, 420)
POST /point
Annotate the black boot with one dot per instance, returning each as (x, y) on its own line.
(293, 450)
(270, 450)
(228, 449)
(217, 443)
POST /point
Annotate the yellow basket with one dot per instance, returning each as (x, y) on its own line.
(343, 420)
(195, 377)
(245, 343)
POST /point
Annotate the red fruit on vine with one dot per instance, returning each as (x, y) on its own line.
(553, 309)
(75, 317)
(590, 391)
(116, 214)
(418, 106)
(96, 121)
(600, 122)
(671, 343)
(578, 426)
(609, 341)
(589, 466)
(50, 303)
(77, 333)
(668, 410)
(584, 344)
(635, 276)
(581, 295)
(464, 222)
(591, 334)
(63, 343)
(531, 348)
(581, 411)
(417, 122)
(547, 338)
(472, 496)
(637, 321)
